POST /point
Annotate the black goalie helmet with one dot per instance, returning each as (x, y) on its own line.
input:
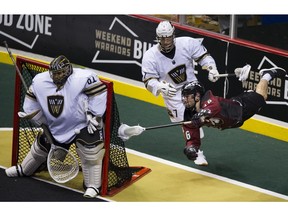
(60, 69)
(192, 88)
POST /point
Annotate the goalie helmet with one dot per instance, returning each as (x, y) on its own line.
(60, 69)
(165, 35)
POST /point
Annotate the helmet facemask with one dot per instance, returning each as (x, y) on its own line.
(165, 35)
(60, 69)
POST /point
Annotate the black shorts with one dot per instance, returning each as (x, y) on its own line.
(252, 103)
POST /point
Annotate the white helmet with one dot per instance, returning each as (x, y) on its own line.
(165, 29)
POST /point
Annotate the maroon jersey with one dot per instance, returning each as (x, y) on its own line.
(220, 112)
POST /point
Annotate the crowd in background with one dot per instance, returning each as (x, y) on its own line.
(255, 28)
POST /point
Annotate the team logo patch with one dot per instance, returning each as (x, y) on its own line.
(178, 74)
(55, 105)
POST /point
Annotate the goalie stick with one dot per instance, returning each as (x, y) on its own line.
(62, 164)
(14, 62)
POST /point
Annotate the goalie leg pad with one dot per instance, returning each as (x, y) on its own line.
(91, 159)
(89, 140)
(35, 157)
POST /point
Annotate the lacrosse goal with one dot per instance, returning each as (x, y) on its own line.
(116, 172)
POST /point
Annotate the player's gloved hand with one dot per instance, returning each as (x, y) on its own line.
(167, 89)
(212, 75)
(199, 119)
(91, 123)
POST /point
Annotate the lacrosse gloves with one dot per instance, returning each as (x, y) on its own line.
(167, 89)
(93, 123)
(212, 73)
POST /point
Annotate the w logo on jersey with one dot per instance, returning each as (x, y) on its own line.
(178, 74)
(55, 105)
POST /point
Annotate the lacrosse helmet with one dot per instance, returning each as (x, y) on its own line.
(60, 69)
(192, 88)
(165, 35)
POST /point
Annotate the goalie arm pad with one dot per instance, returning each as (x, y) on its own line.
(96, 92)
(37, 117)
(97, 104)
(32, 109)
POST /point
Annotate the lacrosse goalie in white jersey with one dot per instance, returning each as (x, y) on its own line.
(72, 103)
(167, 66)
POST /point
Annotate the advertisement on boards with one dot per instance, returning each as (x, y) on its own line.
(116, 43)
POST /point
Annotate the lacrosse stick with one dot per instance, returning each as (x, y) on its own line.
(14, 62)
(125, 131)
(62, 165)
(241, 73)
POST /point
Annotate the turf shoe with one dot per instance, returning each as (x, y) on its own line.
(201, 159)
(274, 72)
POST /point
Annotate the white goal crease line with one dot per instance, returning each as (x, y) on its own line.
(221, 178)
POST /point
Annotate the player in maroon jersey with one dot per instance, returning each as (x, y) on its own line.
(205, 109)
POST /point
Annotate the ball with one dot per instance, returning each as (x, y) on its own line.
(77, 131)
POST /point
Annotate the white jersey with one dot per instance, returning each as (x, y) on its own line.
(178, 70)
(64, 109)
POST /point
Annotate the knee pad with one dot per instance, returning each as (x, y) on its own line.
(191, 152)
(35, 157)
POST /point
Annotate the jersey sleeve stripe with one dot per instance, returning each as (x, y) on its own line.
(95, 89)
(30, 95)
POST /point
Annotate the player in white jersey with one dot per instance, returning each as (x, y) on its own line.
(72, 103)
(169, 65)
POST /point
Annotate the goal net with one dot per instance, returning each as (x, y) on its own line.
(116, 172)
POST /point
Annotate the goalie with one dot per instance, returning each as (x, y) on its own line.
(204, 109)
(72, 103)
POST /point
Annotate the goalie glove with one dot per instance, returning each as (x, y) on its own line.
(92, 123)
(167, 89)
